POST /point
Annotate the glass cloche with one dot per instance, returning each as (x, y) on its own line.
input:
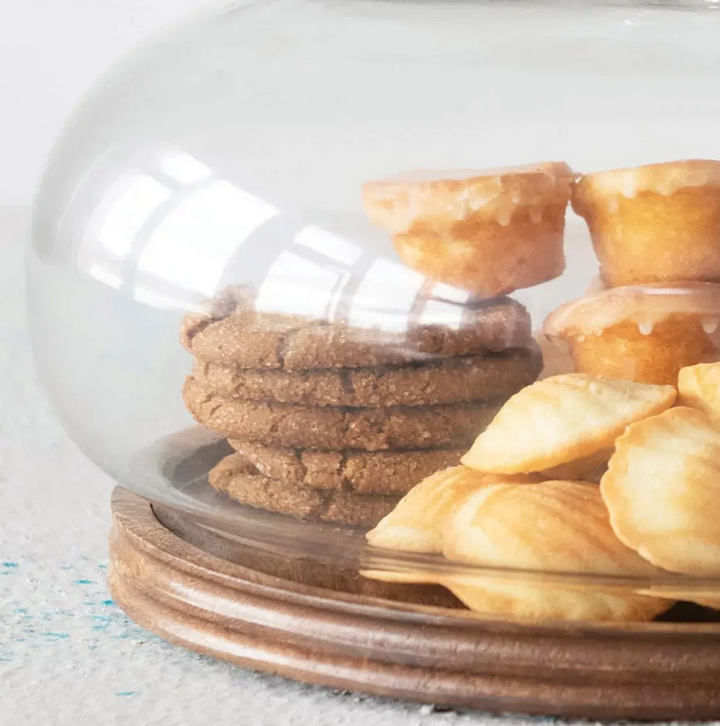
(427, 289)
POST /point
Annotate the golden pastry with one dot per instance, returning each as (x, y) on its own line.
(654, 223)
(562, 419)
(489, 232)
(645, 334)
(589, 468)
(552, 527)
(699, 387)
(417, 524)
(418, 521)
(662, 489)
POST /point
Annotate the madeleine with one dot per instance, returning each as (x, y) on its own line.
(563, 419)
(551, 527)
(662, 489)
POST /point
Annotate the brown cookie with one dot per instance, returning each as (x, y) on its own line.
(232, 333)
(381, 472)
(370, 429)
(454, 380)
(240, 480)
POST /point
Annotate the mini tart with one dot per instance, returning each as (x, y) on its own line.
(646, 334)
(654, 223)
(489, 232)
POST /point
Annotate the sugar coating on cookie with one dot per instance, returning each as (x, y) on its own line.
(562, 419)
(240, 480)
(231, 332)
(337, 428)
(643, 333)
(367, 472)
(454, 380)
(662, 489)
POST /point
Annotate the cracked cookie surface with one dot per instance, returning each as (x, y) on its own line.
(368, 472)
(455, 380)
(240, 480)
(337, 428)
(231, 332)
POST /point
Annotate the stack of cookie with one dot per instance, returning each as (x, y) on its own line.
(336, 423)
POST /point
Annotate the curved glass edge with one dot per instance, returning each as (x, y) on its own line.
(180, 464)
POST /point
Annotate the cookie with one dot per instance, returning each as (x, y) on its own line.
(231, 333)
(368, 472)
(240, 480)
(455, 380)
(370, 429)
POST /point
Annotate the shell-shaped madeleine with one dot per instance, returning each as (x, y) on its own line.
(662, 489)
(589, 468)
(699, 387)
(552, 525)
(418, 521)
(558, 526)
(561, 419)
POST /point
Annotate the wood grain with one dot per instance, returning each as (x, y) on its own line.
(263, 611)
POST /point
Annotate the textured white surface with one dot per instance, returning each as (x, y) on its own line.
(50, 54)
(68, 656)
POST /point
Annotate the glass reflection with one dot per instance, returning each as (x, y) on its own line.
(171, 234)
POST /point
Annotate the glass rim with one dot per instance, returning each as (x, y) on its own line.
(180, 484)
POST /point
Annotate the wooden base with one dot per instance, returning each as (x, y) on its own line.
(201, 590)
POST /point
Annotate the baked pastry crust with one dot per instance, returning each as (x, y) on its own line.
(645, 333)
(653, 223)
(553, 526)
(662, 490)
(490, 231)
(699, 387)
(419, 521)
(562, 419)
(231, 332)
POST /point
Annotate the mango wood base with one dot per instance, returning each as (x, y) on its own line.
(202, 590)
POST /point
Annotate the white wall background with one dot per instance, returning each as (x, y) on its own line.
(51, 52)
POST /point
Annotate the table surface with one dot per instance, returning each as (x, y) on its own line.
(68, 655)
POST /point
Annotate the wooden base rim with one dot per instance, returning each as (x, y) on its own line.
(233, 608)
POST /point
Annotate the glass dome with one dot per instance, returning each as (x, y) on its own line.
(304, 250)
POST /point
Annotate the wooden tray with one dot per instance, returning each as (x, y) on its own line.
(200, 589)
